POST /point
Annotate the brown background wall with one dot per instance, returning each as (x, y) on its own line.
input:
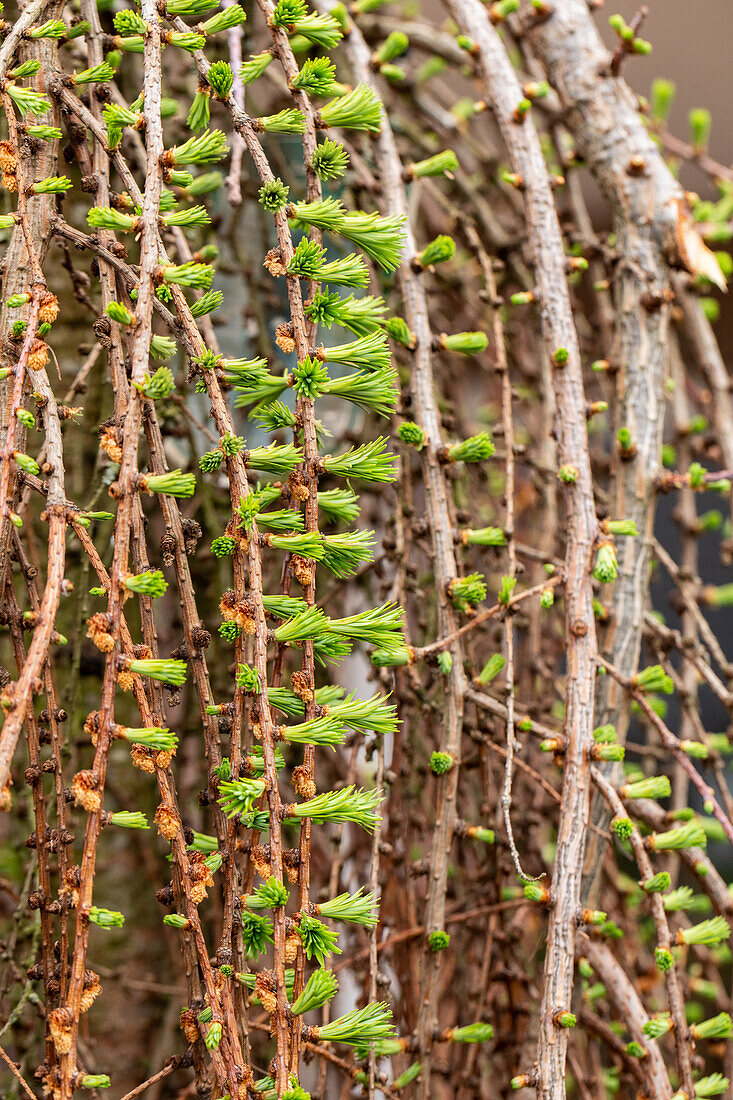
(692, 42)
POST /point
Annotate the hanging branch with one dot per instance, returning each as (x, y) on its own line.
(672, 745)
(304, 336)
(664, 939)
(504, 94)
(32, 359)
(22, 266)
(446, 570)
(507, 420)
(653, 225)
(626, 1000)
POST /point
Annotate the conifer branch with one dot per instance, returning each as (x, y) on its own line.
(503, 94)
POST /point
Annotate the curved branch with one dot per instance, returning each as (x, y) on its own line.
(622, 993)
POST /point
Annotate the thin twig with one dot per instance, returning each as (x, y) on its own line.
(17, 1074)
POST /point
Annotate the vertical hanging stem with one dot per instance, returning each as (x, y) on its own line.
(504, 94)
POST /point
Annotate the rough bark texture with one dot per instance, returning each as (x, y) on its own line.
(438, 507)
(648, 211)
(41, 161)
(546, 245)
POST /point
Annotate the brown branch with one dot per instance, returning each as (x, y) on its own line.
(31, 14)
(503, 94)
(696, 860)
(170, 1067)
(664, 940)
(35, 777)
(36, 162)
(699, 332)
(494, 706)
(17, 1074)
(406, 934)
(507, 420)
(651, 223)
(671, 743)
(126, 491)
(30, 362)
(440, 524)
(488, 613)
(627, 1002)
(683, 149)
(57, 739)
(304, 334)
